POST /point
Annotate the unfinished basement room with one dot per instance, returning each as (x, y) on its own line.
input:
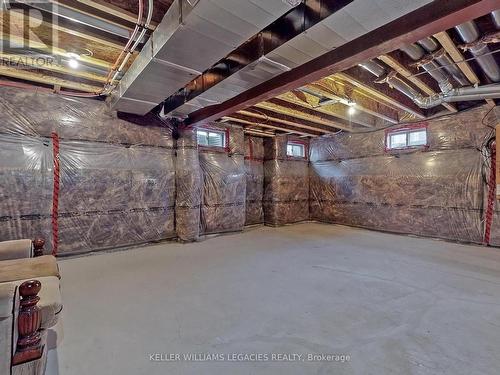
(249, 187)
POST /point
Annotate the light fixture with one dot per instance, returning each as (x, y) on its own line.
(73, 60)
(73, 63)
(351, 110)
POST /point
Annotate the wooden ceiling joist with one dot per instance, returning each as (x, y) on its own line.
(257, 133)
(20, 19)
(384, 94)
(46, 79)
(304, 113)
(455, 54)
(266, 126)
(338, 111)
(334, 89)
(429, 19)
(279, 118)
(267, 123)
(401, 69)
(24, 63)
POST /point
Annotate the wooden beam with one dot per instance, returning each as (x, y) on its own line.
(304, 113)
(34, 45)
(260, 134)
(401, 69)
(339, 111)
(334, 89)
(267, 123)
(426, 20)
(46, 79)
(105, 7)
(25, 61)
(377, 92)
(455, 54)
(266, 114)
(20, 20)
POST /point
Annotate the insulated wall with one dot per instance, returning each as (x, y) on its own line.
(116, 178)
(437, 191)
(224, 183)
(286, 183)
(254, 167)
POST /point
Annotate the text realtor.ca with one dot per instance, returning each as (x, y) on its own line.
(248, 357)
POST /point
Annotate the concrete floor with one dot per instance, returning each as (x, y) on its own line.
(394, 304)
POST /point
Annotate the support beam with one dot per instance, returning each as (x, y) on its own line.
(42, 48)
(427, 20)
(378, 91)
(266, 114)
(257, 133)
(46, 79)
(24, 62)
(401, 69)
(455, 54)
(304, 113)
(339, 112)
(332, 89)
(266, 123)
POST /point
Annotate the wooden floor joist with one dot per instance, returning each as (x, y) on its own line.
(267, 125)
(271, 124)
(455, 54)
(401, 69)
(329, 86)
(285, 110)
(380, 95)
(45, 79)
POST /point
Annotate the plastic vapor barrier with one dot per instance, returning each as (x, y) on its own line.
(437, 191)
(188, 184)
(116, 183)
(224, 184)
(286, 184)
(254, 166)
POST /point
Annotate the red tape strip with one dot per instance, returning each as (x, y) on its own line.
(55, 195)
(491, 197)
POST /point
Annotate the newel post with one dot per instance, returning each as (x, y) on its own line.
(29, 342)
(38, 244)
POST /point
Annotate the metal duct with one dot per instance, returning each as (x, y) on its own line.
(440, 55)
(379, 71)
(470, 34)
(496, 18)
(454, 95)
(192, 36)
(461, 94)
(300, 38)
(416, 53)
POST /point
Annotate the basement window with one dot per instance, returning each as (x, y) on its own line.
(406, 138)
(296, 150)
(211, 138)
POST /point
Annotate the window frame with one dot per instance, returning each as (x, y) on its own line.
(408, 129)
(299, 143)
(211, 129)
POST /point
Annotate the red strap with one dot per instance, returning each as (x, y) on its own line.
(491, 196)
(55, 194)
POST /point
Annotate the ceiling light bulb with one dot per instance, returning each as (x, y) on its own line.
(73, 63)
(351, 110)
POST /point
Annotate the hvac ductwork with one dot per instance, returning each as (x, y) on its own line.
(440, 55)
(455, 95)
(309, 31)
(470, 34)
(470, 93)
(416, 53)
(192, 36)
